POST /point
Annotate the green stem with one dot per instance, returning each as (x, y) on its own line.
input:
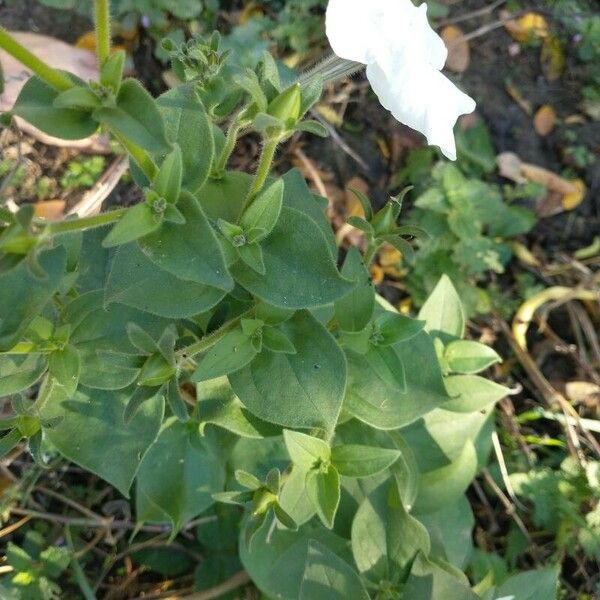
(230, 141)
(206, 343)
(141, 157)
(51, 76)
(102, 20)
(87, 222)
(370, 254)
(264, 167)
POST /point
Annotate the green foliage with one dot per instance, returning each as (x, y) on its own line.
(347, 432)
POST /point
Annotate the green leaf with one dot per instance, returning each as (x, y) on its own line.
(191, 470)
(299, 270)
(467, 357)
(252, 256)
(248, 480)
(152, 289)
(393, 328)
(385, 538)
(323, 490)
(111, 73)
(444, 486)
(354, 310)
(301, 390)
(230, 354)
(93, 434)
(167, 183)
(387, 365)
(293, 497)
(9, 441)
(328, 577)
(138, 221)
(35, 104)
(264, 210)
(306, 451)
(428, 581)
(77, 98)
(188, 125)
(531, 585)
(276, 341)
(353, 460)
(225, 198)
(443, 312)
(65, 366)
(372, 400)
(471, 393)
(314, 127)
(189, 251)
(176, 402)
(27, 295)
(136, 117)
(18, 373)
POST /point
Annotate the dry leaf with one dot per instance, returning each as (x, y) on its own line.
(530, 25)
(583, 392)
(553, 58)
(516, 95)
(459, 51)
(545, 120)
(61, 56)
(572, 200)
(377, 274)
(329, 114)
(51, 210)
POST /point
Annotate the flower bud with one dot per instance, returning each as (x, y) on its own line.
(286, 107)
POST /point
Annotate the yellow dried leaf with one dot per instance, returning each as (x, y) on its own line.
(583, 392)
(329, 115)
(389, 256)
(530, 25)
(545, 120)
(87, 41)
(377, 274)
(50, 210)
(459, 51)
(553, 58)
(572, 200)
(405, 306)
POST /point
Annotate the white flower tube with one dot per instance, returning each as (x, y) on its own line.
(404, 57)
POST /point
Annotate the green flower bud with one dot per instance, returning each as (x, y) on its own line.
(286, 107)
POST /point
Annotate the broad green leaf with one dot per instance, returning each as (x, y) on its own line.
(111, 72)
(300, 272)
(252, 257)
(18, 373)
(138, 221)
(230, 354)
(190, 469)
(443, 312)
(9, 441)
(387, 365)
(154, 290)
(136, 117)
(294, 499)
(35, 104)
(225, 198)
(467, 357)
(219, 406)
(451, 532)
(264, 210)
(353, 460)
(393, 328)
(531, 585)
(93, 434)
(65, 366)
(429, 581)
(328, 577)
(276, 562)
(385, 538)
(77, 98)
(371, 400)
(470, 393)
(301, 390)
(189, 251)
(444, 486)
(354, 310)
(276, 341)
(323, 490)
(167, 183)
(306, 451)
(24, 296)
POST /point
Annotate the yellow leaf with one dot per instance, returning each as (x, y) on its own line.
(553, 58)
(329, 115)
(51, 210)
(459, 51)
(530, 25)
(572, 200)
(545, 120)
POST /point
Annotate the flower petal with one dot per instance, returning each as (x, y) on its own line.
(422, 98)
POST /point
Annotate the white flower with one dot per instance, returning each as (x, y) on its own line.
(404, 57)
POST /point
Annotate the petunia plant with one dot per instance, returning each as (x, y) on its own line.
(204, 345)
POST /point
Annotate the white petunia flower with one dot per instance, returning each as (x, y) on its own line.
(404, 57)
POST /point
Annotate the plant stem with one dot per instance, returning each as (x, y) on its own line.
(232, 136)
(141, 157)
(370, 254)
(51, 76)
(87, 222)
(206, 343)
(102, 20)
(264, 167)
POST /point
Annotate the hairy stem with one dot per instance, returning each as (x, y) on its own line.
(51, 76)
(264, 167)
(102, 20)
(230, 141)
(139, 155)
(87, 222)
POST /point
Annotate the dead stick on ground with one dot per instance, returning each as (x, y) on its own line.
(231, 584)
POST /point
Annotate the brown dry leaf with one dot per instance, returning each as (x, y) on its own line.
(377, 274)
(509, 166)
(583, 392)
(516, 95)
(572, 200)
(553, 58)
(459, 51)
(62, 56)
(329, 114)
(530, 25)
(545, 120)
(51, 210)
(353, 206)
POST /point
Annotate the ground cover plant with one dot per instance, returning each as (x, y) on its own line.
(266, 420)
